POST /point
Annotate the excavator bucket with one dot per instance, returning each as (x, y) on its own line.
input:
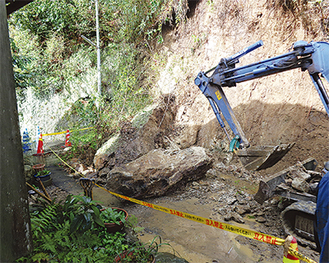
(262, 157)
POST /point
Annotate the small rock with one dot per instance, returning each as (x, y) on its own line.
(242, 209)
(288, 182)
(304, 176)
(274, 201)
(300, 184)
(260, 213)
(67, 149)
(313, 188)
(222, 211)
(260, 219)
(231, 200)
(241, 199)
(204, 183)
(211, 173)
(234, 216)
(219, 165)
(281, 205)
(103, 173)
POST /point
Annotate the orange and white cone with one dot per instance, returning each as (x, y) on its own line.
(40, 145)
(67, 139)
(290, 242)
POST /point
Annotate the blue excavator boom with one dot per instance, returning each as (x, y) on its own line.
(313, 57)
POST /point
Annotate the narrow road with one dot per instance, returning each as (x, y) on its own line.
(195, 242)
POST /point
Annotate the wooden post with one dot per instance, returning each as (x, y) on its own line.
(15, 239)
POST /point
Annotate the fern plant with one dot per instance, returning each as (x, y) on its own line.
(67, 232)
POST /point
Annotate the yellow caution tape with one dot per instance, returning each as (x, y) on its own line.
(57, 133)
(209, 222)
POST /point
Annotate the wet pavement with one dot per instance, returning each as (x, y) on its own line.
(195, 242)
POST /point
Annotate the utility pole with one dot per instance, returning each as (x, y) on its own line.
(99, 79)
(98, 57)
(15, 230)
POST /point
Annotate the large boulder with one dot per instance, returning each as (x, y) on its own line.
(159, 172)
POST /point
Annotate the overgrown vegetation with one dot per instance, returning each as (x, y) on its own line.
(73, 231)
(51, 57)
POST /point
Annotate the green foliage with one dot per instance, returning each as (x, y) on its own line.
(115, 242)
(139, 18)
(61, 235)
(21, 64)
(142, 253)
(72, 231)
(86, 214)
(43, 18)
(132, 222)
(110, 215)
(126, 93)
(84, 145)
(43, 172)
(119, 20)
(52, 57)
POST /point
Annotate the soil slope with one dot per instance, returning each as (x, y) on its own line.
(282, 108)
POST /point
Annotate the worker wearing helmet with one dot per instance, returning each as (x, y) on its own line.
(322, 215)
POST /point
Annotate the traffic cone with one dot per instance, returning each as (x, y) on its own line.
(67, 139)
(292, 242)
(40, 150)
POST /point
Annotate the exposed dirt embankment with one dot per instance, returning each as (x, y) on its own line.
(281, 108)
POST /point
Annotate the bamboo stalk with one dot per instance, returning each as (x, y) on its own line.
(43, 187)
(38, 192)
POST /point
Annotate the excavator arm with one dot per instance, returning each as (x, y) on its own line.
(306, 56)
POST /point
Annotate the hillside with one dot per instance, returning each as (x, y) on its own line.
(61, 69)
(282, 108)
(159, 71)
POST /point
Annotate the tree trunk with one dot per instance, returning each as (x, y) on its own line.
(15, 240)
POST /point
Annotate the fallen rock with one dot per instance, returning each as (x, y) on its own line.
(158, 172)
(146, 132)
(104, 153)
(260, 219)
(188, 136)
(242, 209)
(103, 173)
(231, 200)
(300, 184)
(234, 216)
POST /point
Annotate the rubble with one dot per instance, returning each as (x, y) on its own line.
(293, 181)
